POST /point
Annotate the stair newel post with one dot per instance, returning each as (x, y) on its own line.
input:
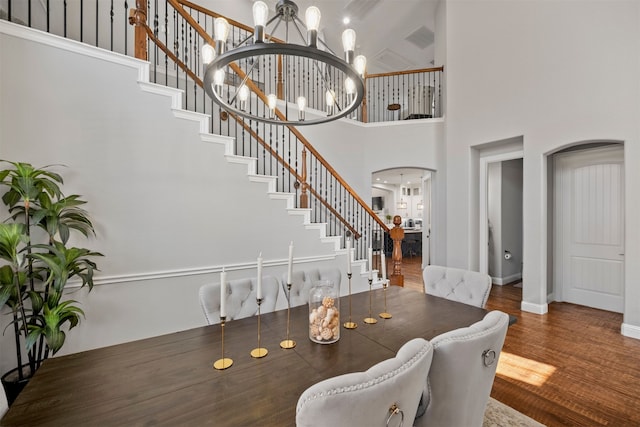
(397, 235)
(138, 18)
(304, 196)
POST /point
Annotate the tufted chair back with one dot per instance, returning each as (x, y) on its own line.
(241, 298)
(469, 287)
(462, 372)
(365, 398)
(302, 281)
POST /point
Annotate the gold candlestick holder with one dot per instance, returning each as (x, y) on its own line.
(224, 362)
(288, 343)
(350, 324)
(385, 314)
(259, 351)
(370, 320)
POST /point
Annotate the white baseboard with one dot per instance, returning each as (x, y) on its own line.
(505, 280)
(534, 308)
(631, 331)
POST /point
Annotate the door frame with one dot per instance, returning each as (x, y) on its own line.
(483, 217)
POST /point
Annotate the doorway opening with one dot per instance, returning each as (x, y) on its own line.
(501, 217)
(408, 193)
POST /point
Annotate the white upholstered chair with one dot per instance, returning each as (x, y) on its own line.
(241, 298)
(4, 406)
(469, 287)
(462, 373)
(302, 281)
(365, 398)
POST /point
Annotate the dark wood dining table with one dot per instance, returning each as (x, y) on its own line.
(170, 380)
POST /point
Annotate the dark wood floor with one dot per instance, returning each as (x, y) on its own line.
(569, 367)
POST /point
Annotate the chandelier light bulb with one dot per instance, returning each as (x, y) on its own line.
(260, 13)
(349, 86)
(302, 104)
(349, 44)
(271, 102)
(218, 78)
(221, 29)
(312, 18)
(330, 97)
(260, 16)
(360, 64)
(208, 54)
(243, 95)
(220, 34)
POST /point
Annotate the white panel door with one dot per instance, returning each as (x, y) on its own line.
(589, 228)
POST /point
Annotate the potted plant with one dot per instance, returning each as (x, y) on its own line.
(37, 264)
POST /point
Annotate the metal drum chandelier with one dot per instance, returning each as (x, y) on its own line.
(277, 82)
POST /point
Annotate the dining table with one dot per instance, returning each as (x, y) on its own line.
(170, 379)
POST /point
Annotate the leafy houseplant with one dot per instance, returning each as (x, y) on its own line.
(37, 264)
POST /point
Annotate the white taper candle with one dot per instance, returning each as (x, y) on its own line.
(290, 268)
(370, 262)
(223, 293)
(259, 286)
(384, 265)
(348, 256)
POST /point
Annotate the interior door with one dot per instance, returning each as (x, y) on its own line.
(589, 227)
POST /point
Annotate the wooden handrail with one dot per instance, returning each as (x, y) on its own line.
(401, 73)
(254, 88)
(217, 15)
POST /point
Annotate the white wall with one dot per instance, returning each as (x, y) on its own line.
(169, 210)
(557, 73)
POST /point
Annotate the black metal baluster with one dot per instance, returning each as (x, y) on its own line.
(111, 13)
(126, 13)
(97, 15)
(64, 5)
(48, 17)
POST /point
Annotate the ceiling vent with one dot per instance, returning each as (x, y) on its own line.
(422, 37)
(357, 9)
(391, 61)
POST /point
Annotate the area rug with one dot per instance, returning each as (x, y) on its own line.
(498, 414)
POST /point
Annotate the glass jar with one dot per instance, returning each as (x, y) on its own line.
(324, 312)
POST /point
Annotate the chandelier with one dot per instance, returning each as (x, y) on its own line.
(276, 81)
(401, 204)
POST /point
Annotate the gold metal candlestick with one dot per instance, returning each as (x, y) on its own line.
(350, 324)
(384, 314)
(259, 351)
(288, 343)
(223, 363)
(370, 320)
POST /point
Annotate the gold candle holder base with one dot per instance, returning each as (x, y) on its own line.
(350, 325)
(370, 320)
(386, 315)
(221, 364)
(287, 344)
(259, 352)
